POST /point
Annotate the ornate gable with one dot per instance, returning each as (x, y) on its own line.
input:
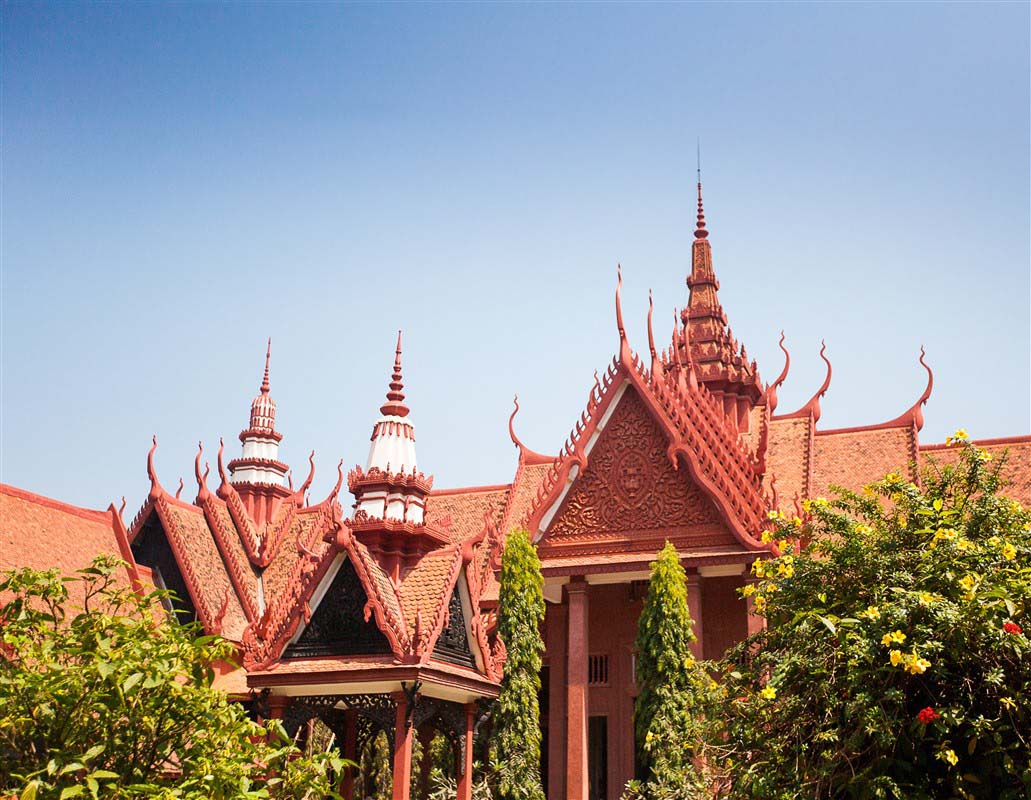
(629, 494)
(340, 624)
(453, 643)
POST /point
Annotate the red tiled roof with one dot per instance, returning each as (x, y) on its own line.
(39, 532)
(788, 456)
(427, 586)
(467, 508)
(854, 458)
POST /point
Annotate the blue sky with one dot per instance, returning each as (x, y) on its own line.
(182, 181)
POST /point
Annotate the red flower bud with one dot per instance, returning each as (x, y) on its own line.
(1012, 627)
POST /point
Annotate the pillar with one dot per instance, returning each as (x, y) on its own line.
(694, 605)
(556, 632)
(403, 736)
(277, 704)
(577, 778)
(349, 750)
(465, 769)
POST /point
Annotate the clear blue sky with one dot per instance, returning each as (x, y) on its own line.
(182, 181)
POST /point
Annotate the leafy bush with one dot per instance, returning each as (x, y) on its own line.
(113, 700)
(896, 662)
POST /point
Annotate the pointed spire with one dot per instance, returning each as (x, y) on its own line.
(395, 405)
(268, 356)
(700, 232)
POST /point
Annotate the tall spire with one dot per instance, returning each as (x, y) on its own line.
(395, 405)
(700, 232)
(259, 462)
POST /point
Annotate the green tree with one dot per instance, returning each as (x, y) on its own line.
(896, 662)
(113, 700)
(516, 748)
(671, 713)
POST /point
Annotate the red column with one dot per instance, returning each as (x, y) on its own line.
(277, 704)
(576, 693)
(349, 750)
(403, 736)
(465, 777)
(557, 631)
(694, 605)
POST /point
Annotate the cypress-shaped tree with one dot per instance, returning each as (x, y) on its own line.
(517, 733)
(669, 714)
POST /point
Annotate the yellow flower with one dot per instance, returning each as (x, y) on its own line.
(773, 514)
(969, 583)
(896, 657)
(895, 636)
(758, 569)
(964, 544)
(1009, 552)
(760, 603)
(766, 537)
(783, 544)
(926, 598)
(748, 591)
(797, 522)
(959, 436)
(807, 505)
(768, 693)
(872, 612)
(785, 570)
(916, 665)
(1008, 702)
(948, 755)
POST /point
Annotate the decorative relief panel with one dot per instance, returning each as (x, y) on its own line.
(630, 484)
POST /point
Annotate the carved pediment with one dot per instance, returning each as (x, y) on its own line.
(340, 625)
(630, 486)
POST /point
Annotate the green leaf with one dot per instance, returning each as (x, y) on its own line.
(105, 775)
(93, 752)
(105, 668)
(830, 625)
(29, 792)
(72, 767)
(72, 791)
(131, 681)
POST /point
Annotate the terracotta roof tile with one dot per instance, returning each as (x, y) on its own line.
(425, 587)
(855, 458)
(39, 532)
(787, 457)
(467, 508)
(528, 480)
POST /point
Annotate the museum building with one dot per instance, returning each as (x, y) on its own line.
(378, 614)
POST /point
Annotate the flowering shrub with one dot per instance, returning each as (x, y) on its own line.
(894, 663)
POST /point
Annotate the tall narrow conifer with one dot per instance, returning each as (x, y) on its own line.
(517, 735)
(669, 712)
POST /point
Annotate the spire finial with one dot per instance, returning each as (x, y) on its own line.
(395, 405)
(700, 232)
(268, 355)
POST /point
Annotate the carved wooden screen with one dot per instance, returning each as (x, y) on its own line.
(453, 642)
(338, 626)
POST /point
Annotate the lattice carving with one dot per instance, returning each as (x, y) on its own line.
(629, 483)
(453, 643)
(339, 625)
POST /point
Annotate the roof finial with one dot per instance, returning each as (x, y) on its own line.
(700, 232)
(268, 355)
(395, 405)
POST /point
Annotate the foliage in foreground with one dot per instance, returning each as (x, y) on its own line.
(516, 746)
(670, 713)
(896, 663)
(114, 701)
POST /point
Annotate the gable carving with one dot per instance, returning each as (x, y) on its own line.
(340, 626)
(453, 643)
(629, 484)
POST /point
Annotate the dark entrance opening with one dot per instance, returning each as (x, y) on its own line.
(598, 757)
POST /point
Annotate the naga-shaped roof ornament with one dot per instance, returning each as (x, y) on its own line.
(771, 391)
(155, 487)
(624, 346)
(202, 486)
(915, 414)
(656, 365)
(812, 408)
(525, 453)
